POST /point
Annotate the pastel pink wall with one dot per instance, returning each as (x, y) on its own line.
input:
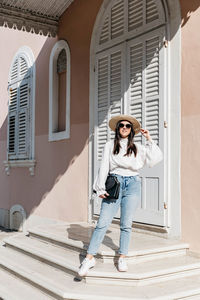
(59, 188)
(190, 133)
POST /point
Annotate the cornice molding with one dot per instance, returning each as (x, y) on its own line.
(27, 21)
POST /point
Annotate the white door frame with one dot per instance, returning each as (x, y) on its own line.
(173, 163)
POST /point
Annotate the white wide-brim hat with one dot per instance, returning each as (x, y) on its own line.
(136, 125)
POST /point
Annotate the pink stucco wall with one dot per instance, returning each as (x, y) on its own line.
(190, 115)
(59, 188)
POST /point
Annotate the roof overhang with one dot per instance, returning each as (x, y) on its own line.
(34, 16)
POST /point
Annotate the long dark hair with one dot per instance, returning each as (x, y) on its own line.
(131, 147)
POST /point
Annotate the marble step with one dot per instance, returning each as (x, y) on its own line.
(13, 288)
(58, 257)
(139, 273)
(143, 247)
(58, 285)
(195, 297)
(46, 278)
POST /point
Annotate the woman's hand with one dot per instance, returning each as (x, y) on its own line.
(104, 195)
(146, 134)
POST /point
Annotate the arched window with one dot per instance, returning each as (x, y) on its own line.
(59, 92)
(21, 108)
(130, 77)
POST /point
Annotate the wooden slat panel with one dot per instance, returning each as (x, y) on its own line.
(24, 94)
(135, 14)
(104, 37)
(13, 98)
(115, 85)
(152, 119)
(136, 63)
(12, 128)
(102, 105)
(152, 67)
(117, 19)
(151, 11)
(22, 137)
(101, 132)
(14, 72)
(23, 67)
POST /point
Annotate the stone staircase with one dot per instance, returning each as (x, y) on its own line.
(43, 265)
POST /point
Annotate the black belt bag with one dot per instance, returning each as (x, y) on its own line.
(112, 186)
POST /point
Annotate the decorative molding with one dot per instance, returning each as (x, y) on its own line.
(27, 53)
(30, 164)
(17, 19)
(53, 92)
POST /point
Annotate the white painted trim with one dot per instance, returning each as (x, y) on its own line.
(27, 53)
(53, 96)
(20, 163)
(18, 208)
(174, 121)
(174, 114)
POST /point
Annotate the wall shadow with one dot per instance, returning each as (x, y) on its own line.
(54, 159)
(187, 8)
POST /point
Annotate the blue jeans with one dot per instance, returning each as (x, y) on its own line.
(129, 198)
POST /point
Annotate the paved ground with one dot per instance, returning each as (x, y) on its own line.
(5, 233)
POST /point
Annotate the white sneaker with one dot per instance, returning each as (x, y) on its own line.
(86, 265)
(122, 265)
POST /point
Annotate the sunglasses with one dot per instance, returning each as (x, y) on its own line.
(121, 125)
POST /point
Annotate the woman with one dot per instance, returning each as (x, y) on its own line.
(122, 158)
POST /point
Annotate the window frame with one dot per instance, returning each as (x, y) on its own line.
(26, 53)
(53, 92)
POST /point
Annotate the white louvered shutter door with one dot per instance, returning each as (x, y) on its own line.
(146, 98)
(109, 87)
(19, 111)
(130, 79)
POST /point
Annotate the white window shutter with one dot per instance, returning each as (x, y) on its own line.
(23, 67)
(117, 19)
(152, 87)
(109, 94)
(135, 14)
(135, 62)
(104, 37)
(128, 18)
(23, 118)
(13, 97)
(12, 119)
(151, 11)
(19, 121)
(22, 135)
(12, 135)
(103, 99)
(115, 86)
(131, 78)
(14, 72)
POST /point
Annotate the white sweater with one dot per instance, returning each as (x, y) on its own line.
(148, 155)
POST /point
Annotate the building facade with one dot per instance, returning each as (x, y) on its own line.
(58, 93)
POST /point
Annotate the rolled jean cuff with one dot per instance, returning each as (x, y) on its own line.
(90, 252)
(122, 253)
